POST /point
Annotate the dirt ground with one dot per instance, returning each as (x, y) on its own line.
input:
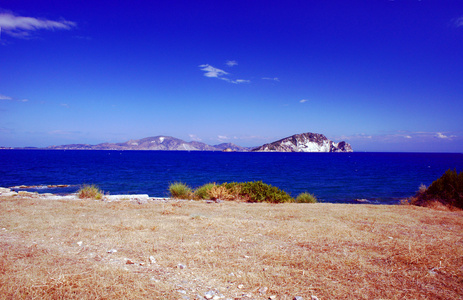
(86, 249)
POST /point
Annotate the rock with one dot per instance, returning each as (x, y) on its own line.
(112, 251)
(298, 298)
(209, 294)
(263, 290)
(152, 260)
(180, 266)
(305, 142)
(128, 261)
(80, 243)
(273, 297)
(240, 286)
(314, 297)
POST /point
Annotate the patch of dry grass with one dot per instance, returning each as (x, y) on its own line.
(59, 249)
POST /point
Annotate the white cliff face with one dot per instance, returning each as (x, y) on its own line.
(305, 142)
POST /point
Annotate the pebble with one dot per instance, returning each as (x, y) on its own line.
(314, 297)
(263, 290)
(298, 298)
(129, 261)
(80, 243)
(152, 260)
(181, 266)
(112, 251)
(240, 286)
(273, 297)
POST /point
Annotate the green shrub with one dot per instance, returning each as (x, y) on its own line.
(179, 190)
(257, 191)
(90, 192)
(204, 192)
(448, 189)
(306, 198)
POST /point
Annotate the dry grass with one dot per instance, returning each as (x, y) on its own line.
(331, 251)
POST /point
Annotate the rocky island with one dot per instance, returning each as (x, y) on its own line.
(305, 142)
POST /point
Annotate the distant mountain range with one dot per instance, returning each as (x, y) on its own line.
(155, 143)
(304, 142)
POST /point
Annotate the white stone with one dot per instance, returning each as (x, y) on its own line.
(112, 251)
(152, 260)
(80, 243)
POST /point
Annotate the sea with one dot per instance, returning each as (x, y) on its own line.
(376, 178)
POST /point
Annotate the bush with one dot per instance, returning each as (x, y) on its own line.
(306, 198)
(257, 191)
(179, 190)
(90, 192)
(204, 192)
(448, 190)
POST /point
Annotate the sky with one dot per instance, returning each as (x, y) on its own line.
(381, 75)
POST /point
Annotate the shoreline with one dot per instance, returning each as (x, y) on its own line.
(15, 191)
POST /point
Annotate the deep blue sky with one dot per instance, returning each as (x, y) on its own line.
(382, 75)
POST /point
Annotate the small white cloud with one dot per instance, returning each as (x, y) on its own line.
(222, 137)
(194, 137)
(303, 101)
(240, 81)
(459, 22)
(269, 78)
(218, 73)
(3, 97)
(64, 105)
(211, 71)
(231, 63)
(18, 26)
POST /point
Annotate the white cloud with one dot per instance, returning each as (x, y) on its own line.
(231, 63)
(440, 135)
(214, 72)
(211, 71)
(223, 137)
(241, 81)
(269, 78)
(194, 137)
(459, 22)
(18, 26)
(3, 97)
(303, 101)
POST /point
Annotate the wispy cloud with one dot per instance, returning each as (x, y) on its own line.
(270, 78)
(22, 27)
(231, 63)
(458, 22)
(8, 98)
(400, 135)
(194, 137)
(214, 72)
(440, 135)
(3, 97)
(303, 101)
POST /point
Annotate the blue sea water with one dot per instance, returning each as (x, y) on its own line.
(382, 178)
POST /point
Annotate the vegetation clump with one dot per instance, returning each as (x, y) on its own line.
(180, 190)
(90, 192)
(204, 192)
(448, 190)
(306, 198)
(254, 191)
